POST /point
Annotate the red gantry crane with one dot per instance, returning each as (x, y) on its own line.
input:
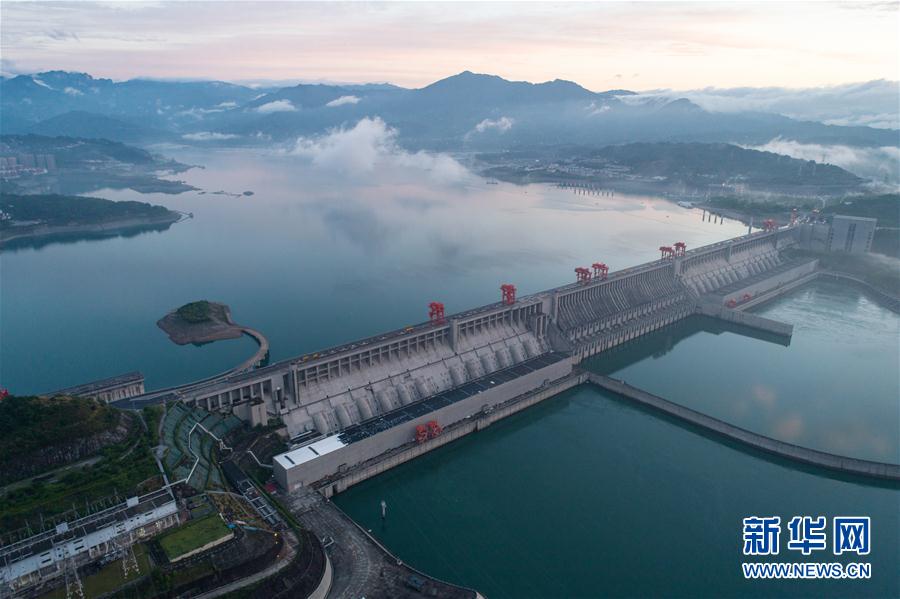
(680, 248)
(666, 251)
(509, 293)
(583, 274)
(436, 312)
(769, 224)
(600, 270)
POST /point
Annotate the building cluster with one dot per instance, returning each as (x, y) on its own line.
(12, 167)
(49, 555)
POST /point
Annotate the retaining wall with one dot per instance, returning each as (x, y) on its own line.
(780, 448)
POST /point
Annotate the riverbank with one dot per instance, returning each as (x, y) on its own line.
(20, 234)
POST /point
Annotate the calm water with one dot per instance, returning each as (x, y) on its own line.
(316, 257)
(586, 495)
(835, 388)
(570, 498)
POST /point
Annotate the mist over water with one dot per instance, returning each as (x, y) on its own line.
(317, 256)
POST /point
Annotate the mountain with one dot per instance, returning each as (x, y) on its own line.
(78, 123)
(463, 112)
(26, 100)
(469, 88)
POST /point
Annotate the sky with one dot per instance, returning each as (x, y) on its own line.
(603, 45)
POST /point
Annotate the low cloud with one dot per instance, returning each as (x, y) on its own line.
(208, 136)
(277, 106)
(41, 83)
(872, 104)
(594, 109)
(73, 92)
(370, 145)
(882, 165)
(343, 100)
(224, 105)
(503, 124)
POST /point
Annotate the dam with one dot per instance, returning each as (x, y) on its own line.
(348, 408)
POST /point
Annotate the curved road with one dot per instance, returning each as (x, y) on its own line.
(153, 397)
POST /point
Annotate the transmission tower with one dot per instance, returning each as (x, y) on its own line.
(74, 589)
(125, 551)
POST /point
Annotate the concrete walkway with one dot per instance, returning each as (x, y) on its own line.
(256, 358)
(846, 465)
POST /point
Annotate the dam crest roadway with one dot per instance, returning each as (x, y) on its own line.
(355, 410)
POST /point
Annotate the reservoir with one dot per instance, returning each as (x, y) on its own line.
(314, 258)
(581, 495)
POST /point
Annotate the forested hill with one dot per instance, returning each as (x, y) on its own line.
(702, 163)
(61, 210)
(42, 433)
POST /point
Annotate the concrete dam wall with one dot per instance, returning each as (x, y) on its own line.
(347, 404)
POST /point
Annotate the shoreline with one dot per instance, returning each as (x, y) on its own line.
(105, 227)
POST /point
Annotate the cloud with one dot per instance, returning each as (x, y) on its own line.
(73, 92)
(61, 35)
(503, 124)
(277, 106)
(371, 144)
(39, 82)
(8, 68)
(208, 136)
(228, 104)
(871, 104)
(343, 100)
(879, 164)
(594, 110)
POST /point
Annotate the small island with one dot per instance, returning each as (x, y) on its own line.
(51, 215)
(200, 322)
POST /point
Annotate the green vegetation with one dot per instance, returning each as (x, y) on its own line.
(32, 424)
(701, 164)
(196, 311)
(885, 207)
(53, 209)
(109, 578)
(193, 535)
(758, 207)
(152, 416)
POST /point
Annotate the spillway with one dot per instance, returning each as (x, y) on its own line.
(367, 400)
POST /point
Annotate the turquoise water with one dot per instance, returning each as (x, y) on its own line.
(581, 496)
(314, 258)
(835, 388)
(586, 495)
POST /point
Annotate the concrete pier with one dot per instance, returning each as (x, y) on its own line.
(796, 453)
(747, 319)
